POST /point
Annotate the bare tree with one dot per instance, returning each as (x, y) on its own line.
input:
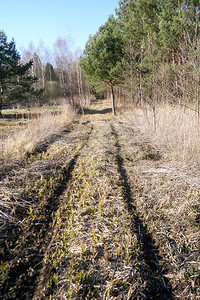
(60, 60)
(64, 63)
(27, 55)
(43, 56)
(79, 79)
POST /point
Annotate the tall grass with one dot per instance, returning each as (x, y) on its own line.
(175, 130)
(38, 131)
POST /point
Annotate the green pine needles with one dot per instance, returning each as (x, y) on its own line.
(16, 83)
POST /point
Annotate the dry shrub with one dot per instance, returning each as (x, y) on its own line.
(173, 129)
(37, 132)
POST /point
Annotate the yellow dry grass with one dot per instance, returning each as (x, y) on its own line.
(174, 129)
(38, 131)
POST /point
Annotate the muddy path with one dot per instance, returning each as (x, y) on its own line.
(94, 231)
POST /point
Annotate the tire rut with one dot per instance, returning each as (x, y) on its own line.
(106, 249)
(98, 252)
(157, 287)
(28, 259)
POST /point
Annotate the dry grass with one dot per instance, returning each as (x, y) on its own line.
(95, 256)
(173, 129)
(31, 110)
(31, 183)
(15, 146)
(166, 189)
(107, 218)
(38, 131)
(167, 199)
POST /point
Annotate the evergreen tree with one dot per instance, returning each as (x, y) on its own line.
(170, 29)
(49, 73)
(190, 10)
(16, 84)
(101, 60)
(139, 24)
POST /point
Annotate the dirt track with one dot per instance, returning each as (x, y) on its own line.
(97, 229)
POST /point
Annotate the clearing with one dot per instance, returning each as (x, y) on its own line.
(99, 214)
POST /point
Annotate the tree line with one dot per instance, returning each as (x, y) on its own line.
(148, 53)
(41, 76)
(58, 72)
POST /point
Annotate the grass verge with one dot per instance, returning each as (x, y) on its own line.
(24, 141)
(167, 190)
(173, 130)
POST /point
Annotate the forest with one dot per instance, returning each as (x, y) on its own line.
(99, 160)
(41, 76)
(149, 53)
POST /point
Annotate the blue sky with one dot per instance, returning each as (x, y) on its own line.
(44, 20)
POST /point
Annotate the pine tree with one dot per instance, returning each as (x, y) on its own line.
(49, 72)
(16, 84)
(101, 60)
(139, 24)
(170, 29)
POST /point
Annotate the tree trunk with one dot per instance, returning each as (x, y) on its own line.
(78, 84)
(72, 96)
(1, 102)
(140, 91)
(113, 100)
(154, 117)
(1, 115)
(179, 10)
(62, 81)
(70, 84)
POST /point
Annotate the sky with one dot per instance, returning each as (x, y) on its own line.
(45, 20)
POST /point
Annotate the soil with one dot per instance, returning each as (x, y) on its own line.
(99, 214)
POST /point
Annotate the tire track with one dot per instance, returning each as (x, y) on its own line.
(110, 254)
(98, 252)
(27, 261)
(157, 287)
